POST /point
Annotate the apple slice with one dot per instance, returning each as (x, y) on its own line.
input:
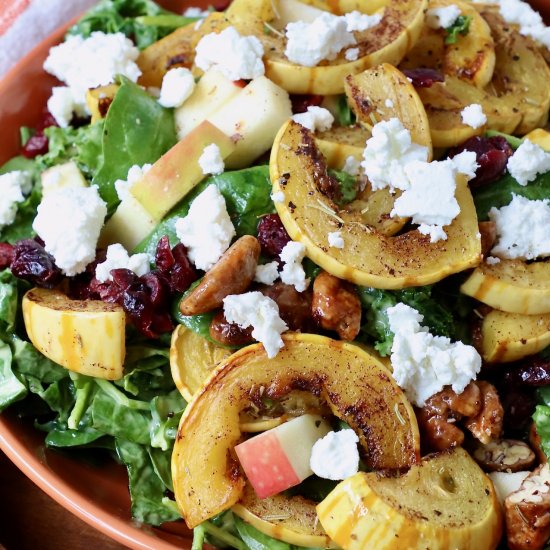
(507, 337)
(511, 285)
(178, 171)
(67, 331)
(61, 176)
(212, 91)
(279, 458)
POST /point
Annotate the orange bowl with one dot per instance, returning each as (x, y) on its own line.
(98, 495)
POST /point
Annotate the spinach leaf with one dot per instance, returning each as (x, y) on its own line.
(513, 141)
(8, 302)
(11, 388)
(542, 423)
(162, 464)
(247, 194)
(20, 163)
(166, 411)
(146, 488)
(344, 114)
(348, 186)
(111, 16)
(499, 193)
(460, 27)
(30, 362)
(137, 130)
(375, 301)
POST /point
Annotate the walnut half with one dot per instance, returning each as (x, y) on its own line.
(504, 455)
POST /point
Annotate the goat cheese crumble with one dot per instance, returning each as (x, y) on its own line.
(228, 52)
(442, 18)
(267, 274)
(293, 272)
(527, 162)
(351, 166)
(177, 85)
(85, 63)
(387, 152)
(423, 363)
(13, 188)
(253, 309)
(194, 11)
(207, 230)
(473, 116)
(315, 119)
(352, 54)
(118, 258)
(523, 229)
(211, 161)
(335, 239)
(335, 456)
(279, 196)
(69, 220)
(135, 173)
(357, 21)
(530, 21)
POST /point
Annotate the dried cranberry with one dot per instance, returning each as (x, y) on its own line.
(220, 5)
(6, 255)
(182, 273)
(32, 263)
(492, 155)
(300, 103)
(158, 291)
(38, 143)
(519, 406)
(164, 259)
(272, 234)
(533, 371)
(424, 77)
(46, 121)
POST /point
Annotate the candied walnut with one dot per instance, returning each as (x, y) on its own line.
(504, 455)
(229, 334)
(294, 306)
(487, 424)
(336, 306)
(527, 512)
(232, 274)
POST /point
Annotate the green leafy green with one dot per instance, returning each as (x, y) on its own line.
(20, 163)
(460, 27)
(348, 186)
(513, 141)
(344, 114)
(137, 130)
(542, 423)
(127, 16)
(247, 194)
(196, 323)
(146, 488)
(166, 411)
(11, 388)
(8, 302)
(499, 193)
(375, 301)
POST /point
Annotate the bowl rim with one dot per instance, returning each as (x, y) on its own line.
(36, 469)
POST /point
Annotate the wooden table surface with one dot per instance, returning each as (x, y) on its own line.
(31, 520)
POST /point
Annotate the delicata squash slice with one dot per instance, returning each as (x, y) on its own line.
(471, 57)
(368, 258)
(388, 42)
(357, 387)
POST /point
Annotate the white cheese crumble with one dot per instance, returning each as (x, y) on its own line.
(387, 152)
(530, 22)
(293, 273)
(253, 309)
(62, 105)
(423, 363)
(535, 485)
(85, 63)
(13, 188)
(69, 221)
(323, 38)
(135, 173)
(389, 103)
(357, 21)
(492, 260)
(528, 161)
(335, 239)
(267, 274)
(211, 161)
(442, 18)
(235, 56)
(335, 456)
(523, 229)
(473, 116)
(352, 54)
(352, 166)
(279, 196)
(177, 85)
(315, 119)
(430, 198)
(118, 258)
(207, 230)
(194, 11)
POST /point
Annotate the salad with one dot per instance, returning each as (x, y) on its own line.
(288, 263)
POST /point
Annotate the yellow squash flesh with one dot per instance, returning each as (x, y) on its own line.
(368, 258)
(507, 337)
(386, 42)
(341, 142)
(357, 387)
(444, 503)
(66, 331)
(290, 519)
(511, 285)
(471, 57)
